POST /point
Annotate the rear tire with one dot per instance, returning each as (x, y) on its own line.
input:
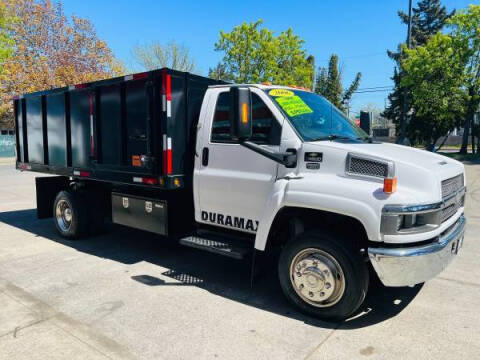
(323, 276)
(70, 214)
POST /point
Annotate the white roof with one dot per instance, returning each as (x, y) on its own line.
(260, 86)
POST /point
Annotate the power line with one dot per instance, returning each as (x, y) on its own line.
(372, 91)
(375, 87)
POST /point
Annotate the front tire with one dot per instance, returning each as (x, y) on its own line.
(70, 214)
(323, 276)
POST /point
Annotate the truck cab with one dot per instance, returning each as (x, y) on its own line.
(303, 177)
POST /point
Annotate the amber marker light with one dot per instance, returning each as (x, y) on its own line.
(390, 185)
(244, 113)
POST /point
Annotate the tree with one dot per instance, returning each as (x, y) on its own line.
(465, 27)
(50, 51)
(428, 18)
(253, 54)
(329, 84)
(6, 42)
(219, 72)
(156, 55)
(434, 74)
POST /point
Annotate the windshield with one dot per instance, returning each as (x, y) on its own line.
(314, 117)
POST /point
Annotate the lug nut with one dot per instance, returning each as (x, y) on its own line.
(327, 286)
(322, 294)
(310, 294)
(302, 286)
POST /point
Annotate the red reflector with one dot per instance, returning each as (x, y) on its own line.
(85, 173)
(169, 87)
(80, 86)
(149, 181)
(169, 161)
(140, 76)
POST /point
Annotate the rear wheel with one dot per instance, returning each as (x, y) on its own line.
(70, 214)
(323, 276)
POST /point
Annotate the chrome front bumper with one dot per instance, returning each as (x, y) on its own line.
(413, 265)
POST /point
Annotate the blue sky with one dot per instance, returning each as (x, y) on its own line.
(359, 31)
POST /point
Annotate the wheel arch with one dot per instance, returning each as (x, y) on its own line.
(290, 221)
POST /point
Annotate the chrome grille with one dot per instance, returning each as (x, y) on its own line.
(450, 186)
(449, 211)
(367, 167)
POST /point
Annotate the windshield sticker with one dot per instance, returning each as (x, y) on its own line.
(280, 92)
(293, 105)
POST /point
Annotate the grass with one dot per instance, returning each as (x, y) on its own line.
(466, 158)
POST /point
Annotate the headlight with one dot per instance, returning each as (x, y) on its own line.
(398, 223)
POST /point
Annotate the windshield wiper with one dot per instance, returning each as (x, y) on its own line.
(368, 139)
(333, 137)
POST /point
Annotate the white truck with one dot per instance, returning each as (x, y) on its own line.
(255, 168)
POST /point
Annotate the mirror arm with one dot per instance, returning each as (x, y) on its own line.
(289, 159)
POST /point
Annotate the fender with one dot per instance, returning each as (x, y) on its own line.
(292, 193)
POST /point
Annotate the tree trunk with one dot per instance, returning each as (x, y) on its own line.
(468, 122)
(443, 142)
(473, 141)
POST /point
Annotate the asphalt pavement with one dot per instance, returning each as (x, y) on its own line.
(132, 295)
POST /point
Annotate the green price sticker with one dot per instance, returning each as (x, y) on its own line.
(293, 105)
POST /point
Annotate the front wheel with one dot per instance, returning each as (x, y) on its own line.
(323, 276)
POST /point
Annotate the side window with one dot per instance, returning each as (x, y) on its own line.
(266, 129)
(221, 120)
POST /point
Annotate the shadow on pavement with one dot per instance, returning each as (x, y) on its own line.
(219, 275)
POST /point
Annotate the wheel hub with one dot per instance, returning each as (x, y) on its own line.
(63, 215)
(317, 277)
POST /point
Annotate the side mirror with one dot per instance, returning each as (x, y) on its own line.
(241, 113)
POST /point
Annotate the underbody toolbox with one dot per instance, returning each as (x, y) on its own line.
(140, 213)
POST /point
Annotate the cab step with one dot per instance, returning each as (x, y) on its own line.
(222, 246)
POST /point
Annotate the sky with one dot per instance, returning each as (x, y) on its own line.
(359, 31)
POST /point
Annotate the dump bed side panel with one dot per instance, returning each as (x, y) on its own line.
(110, 123)
(35, 131)
(17, 107)
(137, 129)
(56, 130)
(137, 101)
(80, 128)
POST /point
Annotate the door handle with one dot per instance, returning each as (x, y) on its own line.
(205, 156)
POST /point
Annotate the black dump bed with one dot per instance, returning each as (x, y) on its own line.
(135, 129)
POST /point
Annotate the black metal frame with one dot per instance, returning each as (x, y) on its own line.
(178, 127)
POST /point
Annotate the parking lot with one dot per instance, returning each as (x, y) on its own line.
(129, 294)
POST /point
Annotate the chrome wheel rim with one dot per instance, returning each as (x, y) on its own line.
(63, 214)
(317, 277)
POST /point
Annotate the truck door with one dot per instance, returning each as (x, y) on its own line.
(232, 183)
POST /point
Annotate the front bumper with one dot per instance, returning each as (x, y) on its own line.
(412, 265)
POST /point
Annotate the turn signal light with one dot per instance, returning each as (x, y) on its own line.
(390, 185)
(244, 113)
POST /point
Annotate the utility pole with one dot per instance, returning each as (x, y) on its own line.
(403, 121)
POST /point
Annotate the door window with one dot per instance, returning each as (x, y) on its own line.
(266, 129)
